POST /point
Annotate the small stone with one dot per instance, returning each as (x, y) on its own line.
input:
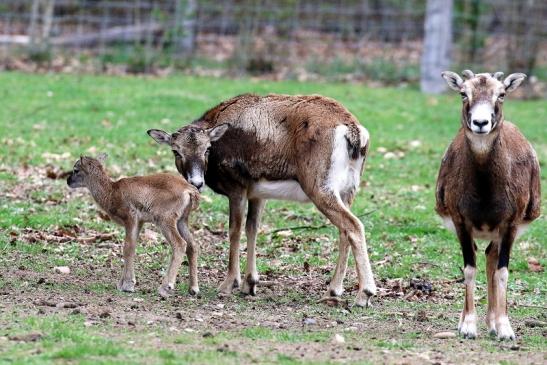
(104, 314)
(389, 155)
(28, 337)
(446, 334)
(138, 300)
(339, 339)
(220, 305)
(41, 281)
(309, 321)
(62, 270)
(534, 323)
(189, 330)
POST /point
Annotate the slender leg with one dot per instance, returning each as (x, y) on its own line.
(336, 286)
(127, 280)
(178, 246)
(254, 214)
(233, 278)
(192, 251)
(351, 231)
(468, 318)
(501, 276)
(492, 257)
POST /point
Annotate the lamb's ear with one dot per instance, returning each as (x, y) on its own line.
(513, 81)
(453, 80)
(102, 157)
(216, 132)
(83, 165)
(160, 136)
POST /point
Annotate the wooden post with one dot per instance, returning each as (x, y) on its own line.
(437, 45)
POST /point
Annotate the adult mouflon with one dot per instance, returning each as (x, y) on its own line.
(163, 199)
(301, 148)
(488, 188)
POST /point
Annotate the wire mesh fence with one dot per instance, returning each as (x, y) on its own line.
(300, 39)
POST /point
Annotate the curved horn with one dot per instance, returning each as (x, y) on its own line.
(498, 75)
(468, 74)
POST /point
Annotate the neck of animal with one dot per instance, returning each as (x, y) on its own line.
(100, 187)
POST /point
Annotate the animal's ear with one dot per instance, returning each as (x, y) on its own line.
(102, 157)
(453, 80)
(83, 162)
(513, 81)
(160, 136)
(216, 132)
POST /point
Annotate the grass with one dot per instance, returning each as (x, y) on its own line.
(52, 119)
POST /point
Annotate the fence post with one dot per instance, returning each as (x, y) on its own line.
(185, 19)
(437, 45)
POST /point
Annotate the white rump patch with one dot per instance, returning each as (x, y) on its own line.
(281, 189)
(345, 173)
(484, 233)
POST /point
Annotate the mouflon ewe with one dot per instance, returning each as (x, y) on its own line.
(302, 148)
(488, 188)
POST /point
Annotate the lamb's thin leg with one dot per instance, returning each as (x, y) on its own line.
(192, 251)
(254, 213)
(127, 280)
(492, 257)
(468, 318)
(233, 277)
(178, 245)
(501, 276)
(352, 231)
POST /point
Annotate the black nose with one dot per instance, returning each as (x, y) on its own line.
(480, 123)
(198, 185)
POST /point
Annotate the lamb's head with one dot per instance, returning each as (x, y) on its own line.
(482, 97)
(191, 146)
(85, 168)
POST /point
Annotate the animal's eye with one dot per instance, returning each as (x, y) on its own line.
(464, 95)
(207, 151)
(501, 96)
(177, 155)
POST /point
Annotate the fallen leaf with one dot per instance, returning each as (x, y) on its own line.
(534, 265)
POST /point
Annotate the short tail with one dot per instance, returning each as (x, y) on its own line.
(358, 141)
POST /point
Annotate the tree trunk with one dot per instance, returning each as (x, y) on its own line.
(437, 45)
(185, 19)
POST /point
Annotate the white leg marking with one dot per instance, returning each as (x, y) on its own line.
(468, 320)
(503, 327)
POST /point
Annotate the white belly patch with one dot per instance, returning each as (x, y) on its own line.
(484, 233)
(281, 189)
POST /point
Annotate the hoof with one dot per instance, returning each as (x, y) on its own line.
(363, 300)
(127, 286)
(249, 285)
(194, 291)
(468, 326)
(225, 289)
(165, 291)
(505, 333)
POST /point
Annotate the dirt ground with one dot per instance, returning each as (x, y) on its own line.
(284, 303)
